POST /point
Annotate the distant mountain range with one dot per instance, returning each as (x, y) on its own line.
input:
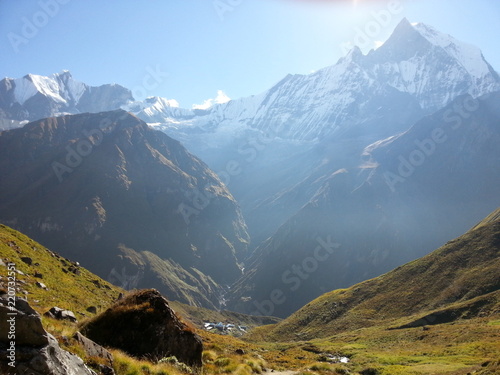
(431, 67)
(365, 164)
(34, 97)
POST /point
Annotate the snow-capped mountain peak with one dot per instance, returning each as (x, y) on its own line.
(35, 96)
(468, 55)
(430, 65)
(61, 87)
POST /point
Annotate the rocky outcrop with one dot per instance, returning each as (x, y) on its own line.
(26, 348)
(93, 349)
(143, 325)
(61, 314)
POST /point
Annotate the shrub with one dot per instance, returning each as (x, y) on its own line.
(172, 360)
(255, 366)
(370, 371)
(223, 361)
(208, 356)
(320, 367)
(243, 369)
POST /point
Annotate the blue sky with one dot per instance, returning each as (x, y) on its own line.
(188, 50)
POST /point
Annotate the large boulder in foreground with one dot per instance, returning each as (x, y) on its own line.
(26, 348)
(143, 325)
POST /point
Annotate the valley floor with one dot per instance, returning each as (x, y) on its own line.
(459, 348)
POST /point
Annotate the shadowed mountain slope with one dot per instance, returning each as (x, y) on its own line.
(459, 280)
(126, 201)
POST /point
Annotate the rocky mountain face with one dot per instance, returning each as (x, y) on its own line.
(126, 201)
(412, 193)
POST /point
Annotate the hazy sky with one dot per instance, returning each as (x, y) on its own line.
(189, 50)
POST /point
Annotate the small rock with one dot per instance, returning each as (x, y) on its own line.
(61, 314)
(92, 309)
(239, 351)
(93, 349)
(2, 263)
(13, 244)
(38, 275)
(27, 260)
(106, 370)
(41, 285)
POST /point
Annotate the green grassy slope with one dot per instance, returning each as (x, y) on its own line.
(459, 280)
(68, 285)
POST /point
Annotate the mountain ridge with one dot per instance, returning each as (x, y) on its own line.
(381, 213)
(119, 197)
(460, 276)
(335, 80)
